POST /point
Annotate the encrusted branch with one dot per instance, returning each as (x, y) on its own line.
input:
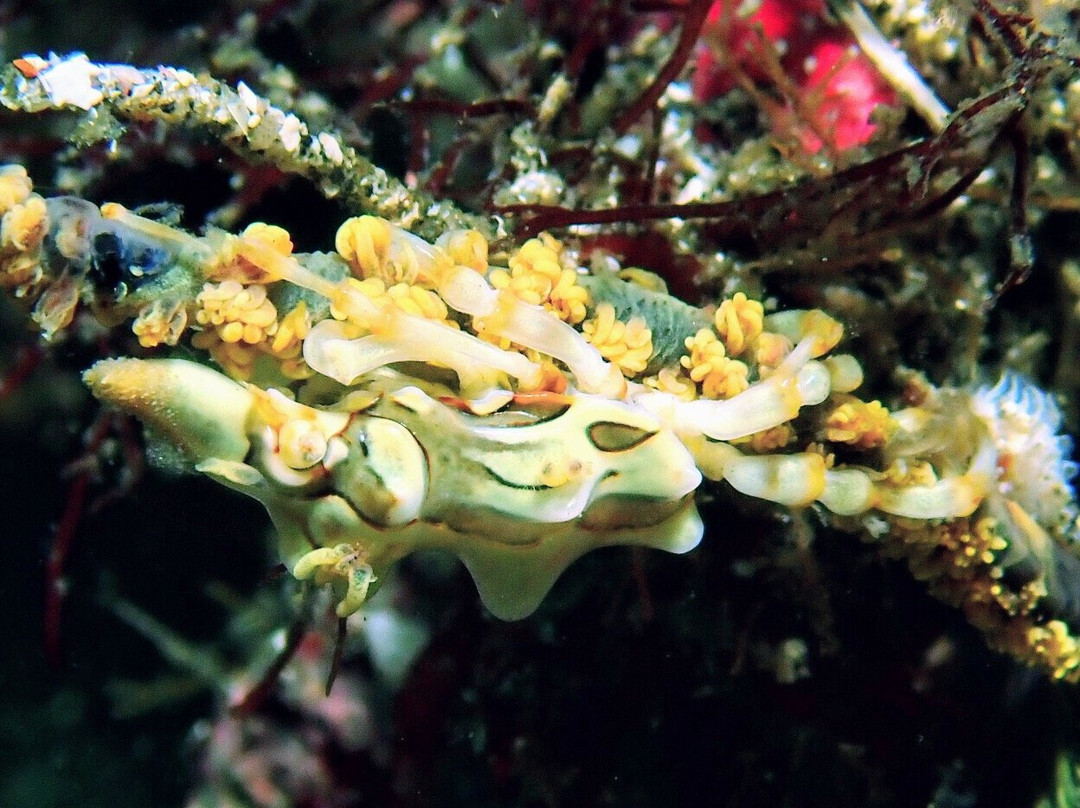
(109, 95)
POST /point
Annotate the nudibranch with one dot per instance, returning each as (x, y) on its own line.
(354, 487)
(520, 410)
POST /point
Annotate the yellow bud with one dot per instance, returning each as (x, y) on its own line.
(739, 321)
(364, 241)
(24, 225)
(277, 238)
(466, 247)
(15, 186)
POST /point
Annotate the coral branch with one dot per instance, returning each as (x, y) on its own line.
(239, 119)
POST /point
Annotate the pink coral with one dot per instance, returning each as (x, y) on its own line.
(836, 87)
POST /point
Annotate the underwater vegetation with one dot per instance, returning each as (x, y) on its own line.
(520, 293)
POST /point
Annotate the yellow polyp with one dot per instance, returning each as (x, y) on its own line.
(537, 256)
(231, 332)
(673, 381)
(977, 545)
(704, 350)
(294, 326)
(1029, 596)
(532, 288)
(466, 248)
(708, 364)
(1054, 646)
(862, 424)
(357, 301)
(24, 225)
(261, 315)
(769, 440)
(274, 237)
(160, 323)
(364, 242)
(545, 283)
(420, 302)
(237, 359)
(552, 244)
(374, 248)
(727, 379)
(239, 313)
(739, 321)
(906, 474)
(501, 279)
(253, 334)
(537, 275)
(15, 186)
(569, 300)
(988, 588)
(369, 305)
(534, 271)
(22, 231)
(628, 345)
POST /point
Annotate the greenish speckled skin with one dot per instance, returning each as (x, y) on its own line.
(669, 319)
